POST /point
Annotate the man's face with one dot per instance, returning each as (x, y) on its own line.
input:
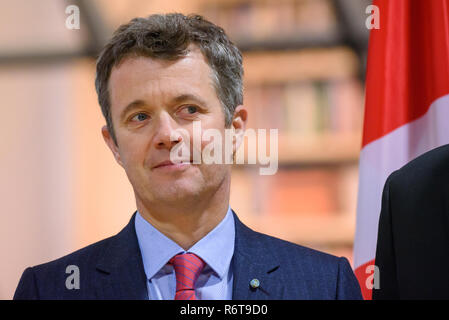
(151, 98)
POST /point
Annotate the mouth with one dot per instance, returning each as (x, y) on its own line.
(168, 165)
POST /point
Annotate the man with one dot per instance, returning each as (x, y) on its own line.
(412, 252)
(158, 75)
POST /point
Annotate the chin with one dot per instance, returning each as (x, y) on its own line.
(176, 190)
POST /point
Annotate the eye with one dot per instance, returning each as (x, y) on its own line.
(188, 110)
(192, 109)
(140, 117)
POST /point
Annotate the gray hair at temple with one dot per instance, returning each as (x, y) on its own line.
(167, 36)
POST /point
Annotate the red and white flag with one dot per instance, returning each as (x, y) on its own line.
(406, 109)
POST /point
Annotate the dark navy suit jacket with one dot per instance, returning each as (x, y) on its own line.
(113, 269)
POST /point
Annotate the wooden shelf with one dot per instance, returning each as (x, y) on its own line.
(325, 40)
(300, 65)
(320, 230)
(319, 149)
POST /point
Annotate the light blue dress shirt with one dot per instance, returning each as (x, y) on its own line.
(216, 249)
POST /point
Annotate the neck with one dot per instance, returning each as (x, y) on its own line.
(188, 221)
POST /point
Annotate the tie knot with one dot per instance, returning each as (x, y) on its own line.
(188, 267)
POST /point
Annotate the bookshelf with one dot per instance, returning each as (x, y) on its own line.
(301, 78)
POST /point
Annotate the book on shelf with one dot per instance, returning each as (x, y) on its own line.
(273, 20)
(300, 109)
(307, 108)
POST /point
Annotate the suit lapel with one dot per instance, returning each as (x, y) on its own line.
(120, 272)
(252, 260)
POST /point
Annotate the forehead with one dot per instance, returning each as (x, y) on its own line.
(138, 76)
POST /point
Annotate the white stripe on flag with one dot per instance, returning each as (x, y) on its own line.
(381, 157)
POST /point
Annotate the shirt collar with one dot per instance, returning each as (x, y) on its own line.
(216, 248)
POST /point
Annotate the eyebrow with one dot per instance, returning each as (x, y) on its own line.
(188, 96)
(136, 104)
(130, 107)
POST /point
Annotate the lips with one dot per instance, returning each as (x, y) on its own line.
(164, 163)
(168, 163)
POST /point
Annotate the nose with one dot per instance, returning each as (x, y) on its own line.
(166, 136)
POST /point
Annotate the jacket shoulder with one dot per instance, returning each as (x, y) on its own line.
(426, 169)
(85, 256)
(48, 280)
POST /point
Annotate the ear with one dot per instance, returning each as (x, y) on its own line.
(239, 125)
(111, 144)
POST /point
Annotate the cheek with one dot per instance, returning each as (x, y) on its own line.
(132, 154)
(214, 174)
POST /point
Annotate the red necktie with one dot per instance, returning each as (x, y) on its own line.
(188, 267)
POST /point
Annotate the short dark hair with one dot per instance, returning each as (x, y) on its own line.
(167, 36)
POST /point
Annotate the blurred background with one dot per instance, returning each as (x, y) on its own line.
(61, 188)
